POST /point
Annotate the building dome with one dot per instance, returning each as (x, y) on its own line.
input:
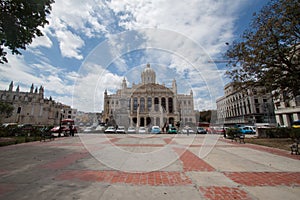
(148, 75)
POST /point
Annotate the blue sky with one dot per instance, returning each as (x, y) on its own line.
(91, 45)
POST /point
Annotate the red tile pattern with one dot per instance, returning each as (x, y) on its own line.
(156, 178)
(6, 188)
(265, 178)
(224, 193)
(65, 161)
(191, 162)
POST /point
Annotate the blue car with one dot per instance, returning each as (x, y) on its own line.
(155, 130)
(246, 130)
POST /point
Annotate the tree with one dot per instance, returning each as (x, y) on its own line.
(6, 110)
(20, 22)
(268, 52)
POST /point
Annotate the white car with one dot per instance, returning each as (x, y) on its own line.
(142, 130)
(185, 130)
(110, 129)
(131, 130)
(121, 129)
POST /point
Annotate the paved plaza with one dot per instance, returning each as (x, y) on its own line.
(98, 166)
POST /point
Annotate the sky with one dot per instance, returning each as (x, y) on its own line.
(90, 46)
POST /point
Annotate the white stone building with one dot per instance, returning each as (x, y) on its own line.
(249, 106)
(287, 109)
(148, 103)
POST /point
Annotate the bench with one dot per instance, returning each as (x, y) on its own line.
(295, 148)
(239, 137)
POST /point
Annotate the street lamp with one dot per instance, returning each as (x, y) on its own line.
(61, 113)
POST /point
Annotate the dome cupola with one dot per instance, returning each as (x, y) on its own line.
(148, 75)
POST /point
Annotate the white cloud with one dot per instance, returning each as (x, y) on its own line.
(70, 44)
(199, 30)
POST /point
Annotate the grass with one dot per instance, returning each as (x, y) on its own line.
(280, 143)
(4, 141)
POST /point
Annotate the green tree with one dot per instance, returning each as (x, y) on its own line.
(6, 110)
(20, 22)
(267, 54)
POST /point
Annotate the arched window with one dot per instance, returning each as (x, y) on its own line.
(156, 103)
(135, 103)
(142, 106)
(163, 103)
(170, 104)
(149, 103)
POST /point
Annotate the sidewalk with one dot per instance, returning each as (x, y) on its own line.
(98, 166)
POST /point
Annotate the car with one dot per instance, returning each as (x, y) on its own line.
(172, 130)
(187, 130)
(100, 128)
(246, 130)
(201, 130)
(142, 130)
(219, 130)
(155, 130)
(88, 130)
(121, 129)
(110, 129)
(131, 130)
(296, 124)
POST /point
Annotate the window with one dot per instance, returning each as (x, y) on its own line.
(135, 103)
(142, 105)
(156, 103)
(170, 104)
(149, 103)
(163, 103)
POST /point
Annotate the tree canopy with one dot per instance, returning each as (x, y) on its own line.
(267, 54)
(20, 22)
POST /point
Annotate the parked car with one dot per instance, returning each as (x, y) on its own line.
(296, 124)
(246, 130)
(155, 130)
(131, 130)
(88, 130)
(172, 130)
(100, 128)
(219, 130)
(201, 130)
(142, 130)
(110, 129)
(187, 129)
(121, 129)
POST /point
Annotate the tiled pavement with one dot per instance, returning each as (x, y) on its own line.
(98, 166)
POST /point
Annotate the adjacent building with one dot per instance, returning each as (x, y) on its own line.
(287, 108)
(32, 108)
(148, 103)
(248, 106)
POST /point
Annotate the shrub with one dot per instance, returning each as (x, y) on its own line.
(278, 132)
(295, 133)
(231, 132)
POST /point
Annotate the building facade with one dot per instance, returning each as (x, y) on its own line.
(32, 108)
(148, 103)
(250, 106)
(287, 108)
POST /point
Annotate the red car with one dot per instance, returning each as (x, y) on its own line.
(64, 128)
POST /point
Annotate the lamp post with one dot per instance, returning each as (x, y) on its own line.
(61, 113)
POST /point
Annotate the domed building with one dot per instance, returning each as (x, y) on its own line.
(148, 104)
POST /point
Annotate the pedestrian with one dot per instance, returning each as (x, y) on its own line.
(71, 130)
